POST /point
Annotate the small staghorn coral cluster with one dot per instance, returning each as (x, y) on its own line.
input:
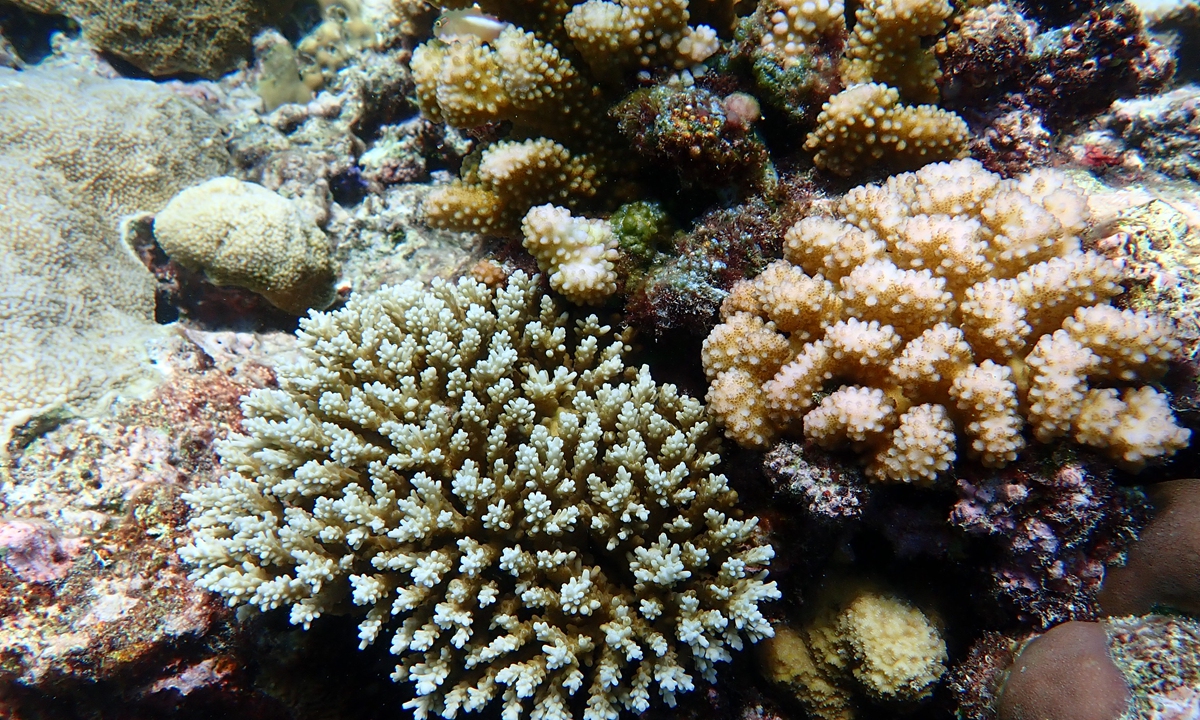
(943, 303)
(533, 522)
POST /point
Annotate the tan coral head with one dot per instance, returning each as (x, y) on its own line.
(933, 317)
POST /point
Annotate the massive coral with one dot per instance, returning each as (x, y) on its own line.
(206, 37)
(943, 302)
(243, 234)
(489, 483)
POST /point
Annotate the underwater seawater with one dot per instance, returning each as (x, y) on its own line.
(600, 359)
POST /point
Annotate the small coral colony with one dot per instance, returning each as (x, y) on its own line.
(913, 459)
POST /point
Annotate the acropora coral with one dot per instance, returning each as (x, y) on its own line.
(943, 301)
(242, 234)
(489, 483)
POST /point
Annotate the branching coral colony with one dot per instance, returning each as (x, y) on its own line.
(528, 516)
(943, 302)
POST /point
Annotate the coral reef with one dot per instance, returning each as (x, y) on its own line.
(207, 38)
(1161, 570)
(79, 153)
(861, 641)
(1161, 132)
(577, 253)
(827, 490)
(684, 289)
(943, 278)
(454, 460)
(242, 234)
(1056, 523)
(95, 607)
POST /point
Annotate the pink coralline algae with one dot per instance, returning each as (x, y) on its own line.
(34, 552)
(1056, 528)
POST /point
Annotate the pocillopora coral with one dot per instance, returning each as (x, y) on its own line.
(803, 55)
(528, 516)
(577, 252)
(493, 71)
(240, 233)
(944, 301)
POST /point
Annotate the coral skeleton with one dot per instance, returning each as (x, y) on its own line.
(533, 522)
(943, 304)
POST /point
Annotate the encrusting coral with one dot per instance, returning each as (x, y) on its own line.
(941, 302)
(206, 37)
(243, 234)
(528, 516)
(78, 153)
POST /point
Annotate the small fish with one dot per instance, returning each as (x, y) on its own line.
(453, 24)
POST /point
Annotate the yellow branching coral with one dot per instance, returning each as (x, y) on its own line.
(577, 252)
(510, 178)
(615, 37)
(943, 304)
(536, 525)
(886, 46)
(516, 77)
(866, 124)
(861, 641)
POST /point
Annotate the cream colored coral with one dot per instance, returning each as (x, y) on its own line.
(1132, 428)
(859, 640)
(886, 46)
(897, 652)
(578, 253)
(616, 37)
(865, 124)
(849, 414)
(920, 449)
(516, 77)
(966, 302)
(511, 177)
(243, 234)
(77, 154)
(535, 525)
(796, 26)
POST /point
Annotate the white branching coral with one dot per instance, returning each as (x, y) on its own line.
(534, 523)
(577, 252)
(943, 304)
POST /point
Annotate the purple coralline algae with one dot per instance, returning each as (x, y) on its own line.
(1055, 526)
